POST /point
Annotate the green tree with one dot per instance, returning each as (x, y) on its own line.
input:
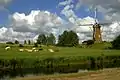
(62, 39)
(42, 39)
(16, 42)
(35, 45)
(29, 42)
(51, 39)
(68, 38)
(25, 42)
(116, 43)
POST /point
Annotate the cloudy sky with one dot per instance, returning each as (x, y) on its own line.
(25, 19)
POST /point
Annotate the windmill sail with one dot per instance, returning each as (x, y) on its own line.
(95, 16)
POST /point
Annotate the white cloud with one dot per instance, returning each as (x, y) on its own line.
(37, 21)
(7, 34)
(66, 2)
(67, 10)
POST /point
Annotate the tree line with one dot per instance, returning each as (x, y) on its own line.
(66, 39)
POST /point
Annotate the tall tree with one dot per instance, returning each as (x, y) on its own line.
(68, 38)
(42, 39)
(16, 42)
(51, 39)
(25, 42)
(29, 42)
(116, 43)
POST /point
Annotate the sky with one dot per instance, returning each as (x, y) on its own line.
(25, 19)
(25, 6)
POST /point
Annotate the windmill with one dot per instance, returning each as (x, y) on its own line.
(97, 32)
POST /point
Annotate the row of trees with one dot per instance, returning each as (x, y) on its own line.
(46, 40)
(68, 38)
(17, 42)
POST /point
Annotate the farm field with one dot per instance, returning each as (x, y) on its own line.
(106, 74)
(95, 50)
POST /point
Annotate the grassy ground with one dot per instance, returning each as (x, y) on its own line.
(106, 74)
(95, 50)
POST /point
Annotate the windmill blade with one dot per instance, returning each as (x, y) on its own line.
(102, 28)
(105, 24)
(85, 24)
(91, 29)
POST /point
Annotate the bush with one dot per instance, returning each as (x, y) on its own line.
(9, 43)
(40, 49)
(20, 45)
(35, 45)
(16, 42)
(88, 42)
(116, 43)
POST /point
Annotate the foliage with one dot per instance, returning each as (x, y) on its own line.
(16, 42)
(42, 39)
(35, 45)
(20, 45)
(9, 43)
(25, 42)
(51, 39)
(116, 43)
(68, 38)
(88, 42)
(29, 42)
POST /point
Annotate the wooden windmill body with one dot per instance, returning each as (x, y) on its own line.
(97, 37)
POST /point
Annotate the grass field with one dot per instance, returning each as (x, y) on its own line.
(106, 74)
(95, 50)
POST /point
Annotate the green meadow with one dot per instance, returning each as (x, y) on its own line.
(94, 50)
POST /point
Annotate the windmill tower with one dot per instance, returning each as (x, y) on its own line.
(97, 30)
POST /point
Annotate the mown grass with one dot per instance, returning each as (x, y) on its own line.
(95, 50)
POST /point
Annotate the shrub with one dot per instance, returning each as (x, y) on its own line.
(9, 43)
(116, 43)
(40, 49)
(88, 42)
(20, 45)
(16, 42)
(35, 45)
